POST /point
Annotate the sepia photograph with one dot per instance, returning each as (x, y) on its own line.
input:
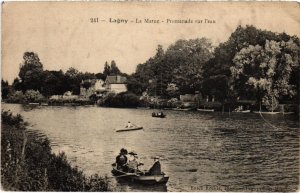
(150, 96)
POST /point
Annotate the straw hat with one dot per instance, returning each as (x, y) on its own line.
(132, 153)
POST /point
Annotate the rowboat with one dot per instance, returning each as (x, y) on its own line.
(159, 115)
(139, 178)
(129, 129)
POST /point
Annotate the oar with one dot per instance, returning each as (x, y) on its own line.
(129, 174)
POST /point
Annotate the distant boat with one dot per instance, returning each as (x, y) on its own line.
(158, 114)
(266, 112)
(288, 113)
(242, 111)
(143, 107)
(183, 109)
(206, 110)
(129, 129)
(34, 104)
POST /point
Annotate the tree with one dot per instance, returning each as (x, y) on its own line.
(72, 80)
(188, 58)
(266, 71)
(53, 83)
(5, 89)
(114, 70)
(31, 72)
(17, 84)
(224, 54)
(106, 70)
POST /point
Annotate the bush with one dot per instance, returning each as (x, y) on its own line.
(16, 97)
(32, 96)
(27, 163)
(125, 99)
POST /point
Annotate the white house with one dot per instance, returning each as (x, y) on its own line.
(116, 84)
(92, 86)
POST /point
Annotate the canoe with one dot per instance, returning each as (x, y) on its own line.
(266, 112)
(141, 179)
(206, 110)
(129, 129)
(242, 111)
(179, 109)
(288, 113)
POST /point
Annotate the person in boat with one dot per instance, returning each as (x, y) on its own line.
(156, 168)
(129, 125)
(121, 160)
(133, 163)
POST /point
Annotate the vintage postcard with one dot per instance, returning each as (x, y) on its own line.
(150, 96)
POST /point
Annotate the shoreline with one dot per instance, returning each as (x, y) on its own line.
(28, 164)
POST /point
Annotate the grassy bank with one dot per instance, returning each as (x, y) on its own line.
(27, 163)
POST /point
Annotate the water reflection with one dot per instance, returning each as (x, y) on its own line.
(239, 152)
(127, 186)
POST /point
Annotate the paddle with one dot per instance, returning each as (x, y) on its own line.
(134, 125)
(129, 174)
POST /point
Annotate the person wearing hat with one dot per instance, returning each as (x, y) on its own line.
(156, 168)
(133, 163)
(121, 160)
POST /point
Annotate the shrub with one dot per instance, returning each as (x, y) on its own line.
(32, 96)
(125, 99)
(27, 163)
(16, 97)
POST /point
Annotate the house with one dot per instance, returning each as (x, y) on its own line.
(116, 84)
(92, 86)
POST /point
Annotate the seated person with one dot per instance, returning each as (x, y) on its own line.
(129, 125)
(156, 168)
(133, 163)
(121, 160)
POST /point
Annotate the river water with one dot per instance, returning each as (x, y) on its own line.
(199, 151)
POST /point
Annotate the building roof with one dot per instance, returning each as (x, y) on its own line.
(115, 79)
(92, 81)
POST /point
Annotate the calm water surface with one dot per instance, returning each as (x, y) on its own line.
(199, 151)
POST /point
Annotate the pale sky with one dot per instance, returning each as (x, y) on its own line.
(63, 37)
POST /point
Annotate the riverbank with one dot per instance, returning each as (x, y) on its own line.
(27, 163)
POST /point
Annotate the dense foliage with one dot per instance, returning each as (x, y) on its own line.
(48, 83)
(233, 71)
(266, 71)
(253, 64)
(27, 163)
(124, 99)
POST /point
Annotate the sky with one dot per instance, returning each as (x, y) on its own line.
(63, 36)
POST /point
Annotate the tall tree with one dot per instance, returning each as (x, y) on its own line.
(114, 70)
(218, 67)
(72, 79)
(106, 70)
(188, 58)
(31, 72)
(266, 71)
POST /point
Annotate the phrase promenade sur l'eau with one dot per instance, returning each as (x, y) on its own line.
(170, 21)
